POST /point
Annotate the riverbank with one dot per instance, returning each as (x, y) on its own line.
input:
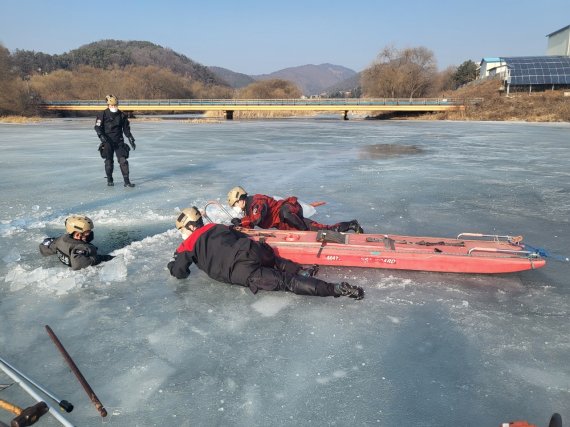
(495, 105)
(547, 106)
(19, 119)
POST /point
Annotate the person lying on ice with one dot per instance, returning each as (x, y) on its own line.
(74, 248)
(229, 256)
(286, 214)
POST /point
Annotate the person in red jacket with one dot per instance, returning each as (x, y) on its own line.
(264, 211)
(229, 256)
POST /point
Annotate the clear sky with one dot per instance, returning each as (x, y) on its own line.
(262, 36)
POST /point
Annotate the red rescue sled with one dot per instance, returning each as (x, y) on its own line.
(468, 253)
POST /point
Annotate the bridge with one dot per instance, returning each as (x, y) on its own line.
(228, 106)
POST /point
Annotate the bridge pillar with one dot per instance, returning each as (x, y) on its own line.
(345, 115)
(229, 114)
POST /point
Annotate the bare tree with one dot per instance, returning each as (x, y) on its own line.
(14, 97)
(131, 82)
(444, 80)
(270, 89)
(400, 73)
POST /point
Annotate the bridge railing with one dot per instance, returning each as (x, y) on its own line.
(263, 102)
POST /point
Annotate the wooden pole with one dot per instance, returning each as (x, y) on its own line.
(77, 373)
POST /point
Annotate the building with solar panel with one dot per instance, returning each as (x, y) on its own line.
(532, 73)
(528, 73)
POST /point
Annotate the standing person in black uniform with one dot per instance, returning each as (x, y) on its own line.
(229, 256)
(74, 248)
(110, 126)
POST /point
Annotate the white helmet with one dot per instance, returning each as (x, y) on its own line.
(189, 216)
(235, 194)
(79, 223)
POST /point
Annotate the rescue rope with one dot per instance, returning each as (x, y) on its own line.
(545, 253)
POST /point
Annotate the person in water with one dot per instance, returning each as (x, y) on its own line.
(74, 248)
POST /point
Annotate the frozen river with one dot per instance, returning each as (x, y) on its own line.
(421, 349)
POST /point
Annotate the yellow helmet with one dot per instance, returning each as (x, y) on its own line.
(112, 100)
(189, 216)
(235, 194)
(79, 223)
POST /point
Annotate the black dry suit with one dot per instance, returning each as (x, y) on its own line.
(229, 256)
(74, 253)
(110, 128)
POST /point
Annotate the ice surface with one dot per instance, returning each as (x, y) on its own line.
(421, 349)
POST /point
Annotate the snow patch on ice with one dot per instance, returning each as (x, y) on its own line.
(114, 270)
(143, 381)
(547, 379)
(57, 280)
(393, 319)
(270, 305)
(335, 375)
(12, 256)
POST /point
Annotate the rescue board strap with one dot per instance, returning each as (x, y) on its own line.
(329, 236)
(389, 242)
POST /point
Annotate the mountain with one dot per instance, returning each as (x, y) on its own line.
(311, 79)
(235, 80)
(109, 53)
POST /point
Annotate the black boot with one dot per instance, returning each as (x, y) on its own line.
(355, 226)
(345, 290)
(128, 183)
(345, 226)
(110, 182)
(309, 286)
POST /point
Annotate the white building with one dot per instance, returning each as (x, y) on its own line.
(559, 42)
(491, 67)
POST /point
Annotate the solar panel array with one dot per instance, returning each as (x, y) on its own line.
(539, 70)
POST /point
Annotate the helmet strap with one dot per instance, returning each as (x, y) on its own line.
(185, 233)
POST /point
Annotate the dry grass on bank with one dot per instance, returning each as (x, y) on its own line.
(547, 106)
(19, 119)
(495, 105)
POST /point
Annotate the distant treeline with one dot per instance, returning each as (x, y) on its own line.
(142, 70)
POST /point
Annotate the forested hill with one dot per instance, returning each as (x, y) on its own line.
(113, 53)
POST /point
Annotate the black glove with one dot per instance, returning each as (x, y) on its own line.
(103, 139)
(48, 241)
(132, 142)
(236, 222)
(104, 258)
